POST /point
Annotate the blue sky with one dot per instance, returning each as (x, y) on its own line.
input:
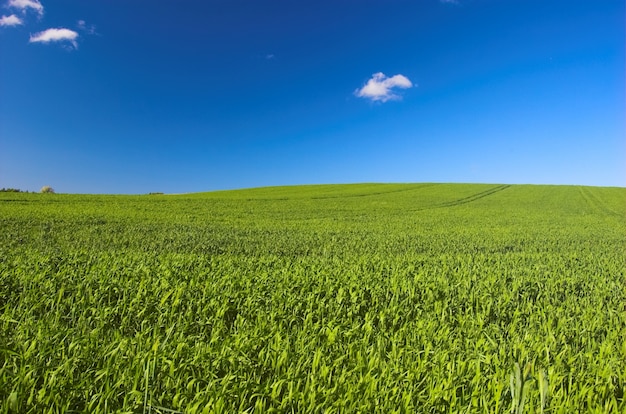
(135, 96)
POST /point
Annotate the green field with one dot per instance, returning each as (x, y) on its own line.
(372, 298)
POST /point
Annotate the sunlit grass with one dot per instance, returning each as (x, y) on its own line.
(363, 298)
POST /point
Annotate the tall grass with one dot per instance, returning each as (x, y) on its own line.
(363, 298)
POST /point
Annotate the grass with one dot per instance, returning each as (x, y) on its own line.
(333, 298)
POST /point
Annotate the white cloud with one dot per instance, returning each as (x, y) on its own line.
(84, 27)
(55, 35)
(380, 87)
(27, 4)
(11, 20)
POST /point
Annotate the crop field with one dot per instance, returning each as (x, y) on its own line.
(371, 298)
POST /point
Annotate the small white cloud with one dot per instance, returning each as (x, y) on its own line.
(55, 35)
(27, 4)
(449, 1)
(11, 20)
(269, 56)
(84, 27)
(381, 88)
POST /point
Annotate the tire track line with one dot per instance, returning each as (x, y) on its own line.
(474, 197)
(402, 190)
(595, 202)
(468, 199)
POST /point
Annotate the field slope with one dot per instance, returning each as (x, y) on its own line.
(331, 298)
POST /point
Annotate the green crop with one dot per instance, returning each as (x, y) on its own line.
(428, 298)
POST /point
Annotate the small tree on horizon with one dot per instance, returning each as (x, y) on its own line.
(47, 189)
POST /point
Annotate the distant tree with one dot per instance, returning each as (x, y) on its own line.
(10, 190)
(47, 189)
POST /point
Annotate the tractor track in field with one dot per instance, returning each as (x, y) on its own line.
(474, 197)
(595, 202)
(402, 190)
(468, 199)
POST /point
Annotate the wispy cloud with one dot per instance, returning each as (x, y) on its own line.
(381, 88)
(449, 1)
(11, 20)
(27, 4)
(87, 28)
(55, 35)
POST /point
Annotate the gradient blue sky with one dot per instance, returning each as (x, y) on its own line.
(186, 96)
